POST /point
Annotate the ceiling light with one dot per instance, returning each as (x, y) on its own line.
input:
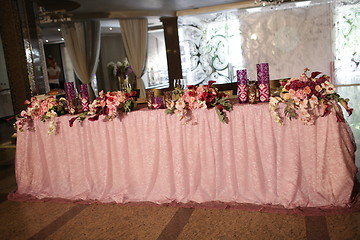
(46, 40)
(110, 28)
(59, 29)
(62, 39)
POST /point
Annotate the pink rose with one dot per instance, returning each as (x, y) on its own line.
(307, 90)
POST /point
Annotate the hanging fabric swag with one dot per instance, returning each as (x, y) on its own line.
(135, 35)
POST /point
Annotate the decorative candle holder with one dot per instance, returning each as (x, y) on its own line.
(84, 97)
(149, 98)
(70, 97)
(158, 102)
(168, 99)
(242, 84)
(263, 81)
(253, 92)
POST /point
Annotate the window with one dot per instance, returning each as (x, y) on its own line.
(156, 74)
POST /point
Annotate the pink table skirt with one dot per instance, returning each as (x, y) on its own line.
(150, 156)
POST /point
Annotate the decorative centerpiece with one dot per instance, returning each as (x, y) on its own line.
(44, 109)
(198, 97)
(109, 104)
(120, 71)
(308, 98)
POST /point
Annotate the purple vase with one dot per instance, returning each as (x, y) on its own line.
(263, 79)
(242, 84)
(70, 97)
(84, 97)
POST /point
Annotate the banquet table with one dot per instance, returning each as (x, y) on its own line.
(148, 156)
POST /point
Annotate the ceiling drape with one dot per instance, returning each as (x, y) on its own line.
(82, 40)
(135, 35)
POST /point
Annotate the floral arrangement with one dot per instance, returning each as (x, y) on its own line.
(109, 104)
(44, 109)
(199, 97)
(120, 69)
(307, 97)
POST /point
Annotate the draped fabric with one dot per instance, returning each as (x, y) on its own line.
(82, 40)
(250, 160)
(135, 35)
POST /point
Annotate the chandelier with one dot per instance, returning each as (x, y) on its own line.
(269, 2)
(53, 16)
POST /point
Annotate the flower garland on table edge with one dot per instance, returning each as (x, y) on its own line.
(199, 97)
(44, 109)
(109, 104)
(304, 95)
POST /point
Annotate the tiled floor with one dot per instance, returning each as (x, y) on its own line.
(49, 220)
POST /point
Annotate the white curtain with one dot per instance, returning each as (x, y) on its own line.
(135, 35)
(82, 40)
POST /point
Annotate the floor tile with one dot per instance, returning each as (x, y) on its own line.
(235, 224)
(21, 220)
(111, 221)
(344, 226)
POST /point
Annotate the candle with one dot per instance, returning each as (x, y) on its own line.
(263, 81)
(84, 97)
(243, 88)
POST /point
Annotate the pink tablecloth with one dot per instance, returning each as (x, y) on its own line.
(150, 156)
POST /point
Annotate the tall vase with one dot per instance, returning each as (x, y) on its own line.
(120, 83)
(84, 97)
(123, 83)
(263, 81)
(242, 83)
(70, 97)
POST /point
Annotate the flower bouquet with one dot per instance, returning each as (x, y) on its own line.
(121, 71)
(198, 97)
(308, 97)
(44, 109)
(109, 104)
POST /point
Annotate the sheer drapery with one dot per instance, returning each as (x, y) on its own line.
(82, 40)
(135, 35)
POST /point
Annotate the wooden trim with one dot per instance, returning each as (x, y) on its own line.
(222, 7)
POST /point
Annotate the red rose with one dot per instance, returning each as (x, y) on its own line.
(204, 95)
(191, 93)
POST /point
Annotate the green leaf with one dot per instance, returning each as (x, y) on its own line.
(169, 111)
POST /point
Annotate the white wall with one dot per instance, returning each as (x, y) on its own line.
(112, 50)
